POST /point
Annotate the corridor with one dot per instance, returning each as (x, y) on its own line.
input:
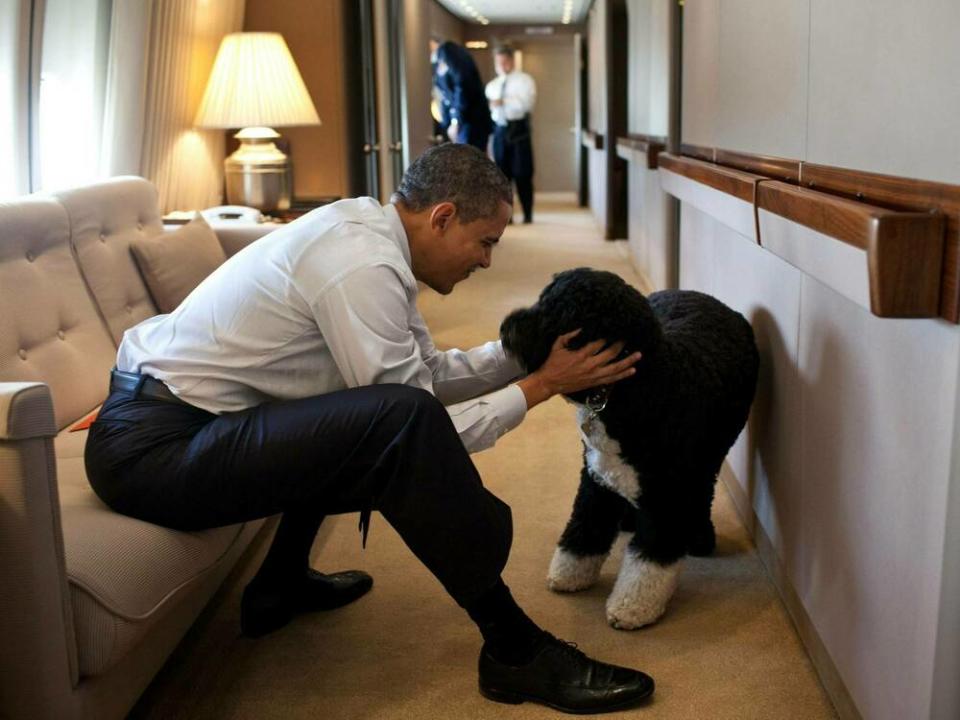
(725, 649)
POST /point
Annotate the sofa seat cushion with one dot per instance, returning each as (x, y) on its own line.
(124, 574)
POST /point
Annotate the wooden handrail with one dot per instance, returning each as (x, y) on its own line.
(650, 145)
(738, 183)
(904, 249)
(592, 139)
(909, 229)
(902, 194)
(767, 165)
(700, 152)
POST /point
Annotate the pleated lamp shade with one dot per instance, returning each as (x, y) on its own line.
(255, 82)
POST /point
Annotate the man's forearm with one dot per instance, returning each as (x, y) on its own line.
(534, 389)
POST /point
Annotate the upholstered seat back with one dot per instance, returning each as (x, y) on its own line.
(104, 219)
(50, 330)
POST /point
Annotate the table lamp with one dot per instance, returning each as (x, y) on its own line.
(255, 85)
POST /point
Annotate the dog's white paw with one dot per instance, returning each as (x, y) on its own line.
(569, 572)
(641, 593)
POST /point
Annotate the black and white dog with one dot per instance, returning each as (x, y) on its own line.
(653, 443)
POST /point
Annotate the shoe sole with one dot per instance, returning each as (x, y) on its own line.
(513, 698)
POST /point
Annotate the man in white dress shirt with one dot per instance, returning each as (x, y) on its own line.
(512, 95)
(300, 379)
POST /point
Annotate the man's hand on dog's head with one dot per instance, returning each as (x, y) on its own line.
(567, 371)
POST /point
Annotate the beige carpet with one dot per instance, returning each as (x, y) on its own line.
(725, 648)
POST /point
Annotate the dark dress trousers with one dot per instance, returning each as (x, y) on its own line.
(390, 448)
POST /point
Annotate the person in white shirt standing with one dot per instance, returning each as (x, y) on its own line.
(300, 379)
(512, 95)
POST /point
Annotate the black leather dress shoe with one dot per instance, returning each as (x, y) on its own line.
(265, 608)
(565, 679)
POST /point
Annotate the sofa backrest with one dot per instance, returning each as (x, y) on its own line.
(50, 330)
(104, 218)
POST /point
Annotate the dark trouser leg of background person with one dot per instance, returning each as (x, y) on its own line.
(513, 154)
(389, 448)
(525, 194)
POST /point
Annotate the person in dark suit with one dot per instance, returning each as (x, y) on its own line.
(464, 111)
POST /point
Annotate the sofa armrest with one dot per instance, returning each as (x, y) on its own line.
(235, 237)
(26, 411)
(38, 665)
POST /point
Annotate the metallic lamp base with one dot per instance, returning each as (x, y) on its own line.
(258, 175)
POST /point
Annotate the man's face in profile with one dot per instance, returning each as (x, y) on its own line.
(458, 249)
(503, 62)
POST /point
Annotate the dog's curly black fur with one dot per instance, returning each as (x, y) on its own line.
(675, 419)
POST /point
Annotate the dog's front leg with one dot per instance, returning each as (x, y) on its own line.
(650, 568)
(586, 541)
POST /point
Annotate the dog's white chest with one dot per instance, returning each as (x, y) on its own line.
(603, 457)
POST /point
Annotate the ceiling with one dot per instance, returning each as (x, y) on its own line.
(509, 12)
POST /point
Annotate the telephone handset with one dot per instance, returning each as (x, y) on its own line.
(239, 214)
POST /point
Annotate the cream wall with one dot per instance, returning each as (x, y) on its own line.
(421, 19)
(318, 154)
(597, 109)
(651, 214)
(850, 457)
(551, 64)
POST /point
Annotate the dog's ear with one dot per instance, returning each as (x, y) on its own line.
(522, 335)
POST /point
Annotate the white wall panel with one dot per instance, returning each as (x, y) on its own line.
(766, 459)
(638, 105)
(733, 212)
(836, 264)
(884, 94)
(651, 220)
(697, 262)
(649, 66)
(876, 435)
(701, 72)
(597, 178)
(763, 76)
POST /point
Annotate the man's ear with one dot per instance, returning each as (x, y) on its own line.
(442, 216)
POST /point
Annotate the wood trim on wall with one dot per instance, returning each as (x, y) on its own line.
(734, 182)
(768, 165)
(902, 194)
(910, 229)
(904, 249)
(649, 145)
(592, 139)
(701, 152)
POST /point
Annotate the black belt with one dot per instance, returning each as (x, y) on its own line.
(142, 386)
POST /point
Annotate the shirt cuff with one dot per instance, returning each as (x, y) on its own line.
(512, 406)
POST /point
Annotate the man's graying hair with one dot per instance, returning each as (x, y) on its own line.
(455, 173)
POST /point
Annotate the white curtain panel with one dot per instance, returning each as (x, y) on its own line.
(14, 98)
(73, 69)
(125, 99)
(186, 164)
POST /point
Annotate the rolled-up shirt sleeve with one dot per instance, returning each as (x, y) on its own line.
(462, 374)
(367, 318)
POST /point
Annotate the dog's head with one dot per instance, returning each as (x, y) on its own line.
(600, 303)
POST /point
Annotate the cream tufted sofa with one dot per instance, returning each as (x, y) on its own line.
(91, 602)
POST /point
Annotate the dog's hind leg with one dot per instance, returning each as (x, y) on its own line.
(651, 566)
(587, 539)
(701, 537)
